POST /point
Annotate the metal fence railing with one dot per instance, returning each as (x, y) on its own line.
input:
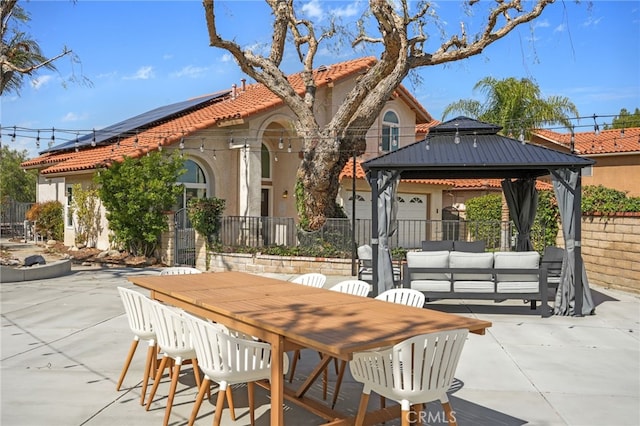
(13, 217)
(257, 232)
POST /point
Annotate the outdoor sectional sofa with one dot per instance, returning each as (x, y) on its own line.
(495, 276)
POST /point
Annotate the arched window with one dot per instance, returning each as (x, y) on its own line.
(390, 131)
(195, 184)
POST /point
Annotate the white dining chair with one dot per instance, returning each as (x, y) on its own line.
(180, 270)
(312, 279)
(355, 287)
(417, 370)
(137, 307)
(403, 296)
(228, 360)
(175, 344)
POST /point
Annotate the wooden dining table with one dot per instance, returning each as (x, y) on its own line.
(292, 316)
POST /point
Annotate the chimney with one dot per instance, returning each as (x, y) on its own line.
(233, 91)
(244, 84)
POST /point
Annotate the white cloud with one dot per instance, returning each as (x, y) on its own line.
(591, 22)
(346, 12)
(227, 57)
(143, 73)
(38, 82)
(560, 28)
(190, 71)
(541, 24)
(313, 10)
(72, 116)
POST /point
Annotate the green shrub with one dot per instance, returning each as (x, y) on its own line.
(599, 199)
(48, 218)
(205, 216)
(137, 194)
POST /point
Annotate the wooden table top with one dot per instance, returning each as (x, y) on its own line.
(331, 322)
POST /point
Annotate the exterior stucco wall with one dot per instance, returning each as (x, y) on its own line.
(621, 172)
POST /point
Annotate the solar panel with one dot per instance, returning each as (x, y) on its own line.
(139, 121)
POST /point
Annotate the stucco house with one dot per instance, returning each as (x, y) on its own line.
(615, 151)
(240, 146)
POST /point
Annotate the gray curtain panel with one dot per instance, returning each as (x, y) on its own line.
(522, 199)
(566, 183)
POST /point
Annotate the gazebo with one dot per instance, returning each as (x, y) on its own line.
(464, 148)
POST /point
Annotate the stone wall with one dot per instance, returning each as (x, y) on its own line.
(262, 263)
(611, 250)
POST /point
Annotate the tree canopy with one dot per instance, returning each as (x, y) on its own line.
(15, 183)
(20, 55)
(625, 119)
(399, 31)
(516, 105)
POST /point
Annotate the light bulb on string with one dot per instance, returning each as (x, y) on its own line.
(202, 145)
(521, 137)
(53, 137)
(596, 128)
(13, 135)
(214, 154)
(456, 138)
(38, 140)
(475, 139)
(281, 143)
(135, 140)
(289, 147)
(93, 139)
(77, 143)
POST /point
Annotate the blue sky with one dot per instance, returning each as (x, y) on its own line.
(140, 55)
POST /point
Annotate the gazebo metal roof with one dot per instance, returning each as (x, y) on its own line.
(480, 153)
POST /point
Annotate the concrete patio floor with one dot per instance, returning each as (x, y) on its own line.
(64, 341)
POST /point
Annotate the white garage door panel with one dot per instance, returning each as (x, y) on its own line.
(410, 206)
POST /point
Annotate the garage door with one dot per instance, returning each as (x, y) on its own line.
(412, 215)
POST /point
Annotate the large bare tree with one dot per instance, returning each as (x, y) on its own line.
(402, 37)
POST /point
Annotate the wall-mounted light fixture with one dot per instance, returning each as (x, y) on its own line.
(285, 194)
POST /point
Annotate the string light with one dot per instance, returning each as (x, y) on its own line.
(521, 137)
(38, 140)
(456, 138)
(77, 143)
(475, 139)
(214, 154)
(93, 140)
(202, 146)
(135, 141)
(281, 142)
(596, 128)
(13, 135)
(53, 137)
(289, 147)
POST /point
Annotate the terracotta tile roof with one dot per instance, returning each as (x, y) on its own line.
(245, 102)
(347, 172)
(423, 128)
(611, 141)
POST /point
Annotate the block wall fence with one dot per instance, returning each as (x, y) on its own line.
(611, 250)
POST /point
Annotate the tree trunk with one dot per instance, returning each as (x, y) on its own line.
(324, 157)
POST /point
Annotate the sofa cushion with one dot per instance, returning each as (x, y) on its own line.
(459, 259)
(428, 259)
(469, 246)
(437, 245)
(518, 287)
(431, 285)
(516, 260)
(473, 286)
